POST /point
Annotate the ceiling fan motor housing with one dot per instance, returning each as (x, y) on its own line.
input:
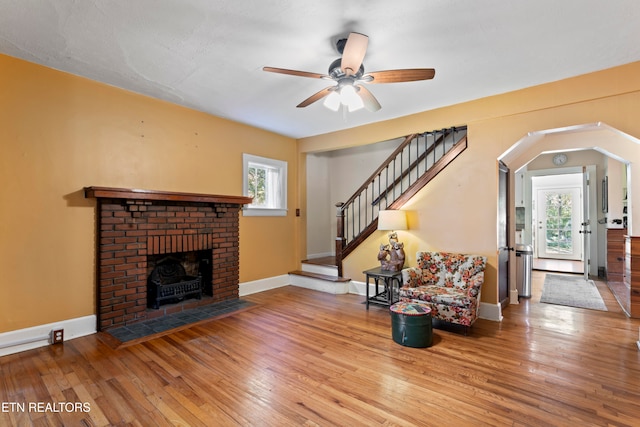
(336, 73)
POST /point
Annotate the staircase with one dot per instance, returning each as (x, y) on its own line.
(406, 171)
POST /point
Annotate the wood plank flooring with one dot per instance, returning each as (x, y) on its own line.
(314, 359)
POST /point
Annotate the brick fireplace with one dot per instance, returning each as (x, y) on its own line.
(135, 225)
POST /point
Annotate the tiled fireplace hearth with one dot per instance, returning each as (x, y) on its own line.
(135, 226)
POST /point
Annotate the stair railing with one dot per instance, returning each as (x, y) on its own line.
(418, 159)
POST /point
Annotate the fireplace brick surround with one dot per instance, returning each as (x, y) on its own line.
(132, 224)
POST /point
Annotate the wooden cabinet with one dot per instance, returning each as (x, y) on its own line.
(632, 275)
(615, 254)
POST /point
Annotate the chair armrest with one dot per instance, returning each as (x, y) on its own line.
(474, 284)
(412, 277)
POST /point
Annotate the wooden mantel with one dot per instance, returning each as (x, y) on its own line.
(136, 194)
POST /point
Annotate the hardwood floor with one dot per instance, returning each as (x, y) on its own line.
(302, 357)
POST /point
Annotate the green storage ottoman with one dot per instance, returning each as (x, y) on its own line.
(411, 324)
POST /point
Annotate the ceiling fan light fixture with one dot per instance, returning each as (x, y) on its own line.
(350, 98)
(332, 101)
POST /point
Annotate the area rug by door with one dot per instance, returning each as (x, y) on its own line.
(573, 291)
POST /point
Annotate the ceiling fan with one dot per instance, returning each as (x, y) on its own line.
(349, 77)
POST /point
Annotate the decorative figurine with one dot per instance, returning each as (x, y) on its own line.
(392, 260)
(384, 252)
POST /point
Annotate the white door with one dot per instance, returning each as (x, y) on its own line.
(585, 225)
(559, 216)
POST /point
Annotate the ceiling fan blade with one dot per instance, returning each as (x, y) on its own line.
(399, 76)
(353, 53)
(295, 72)
(316, 97)
(370, 101)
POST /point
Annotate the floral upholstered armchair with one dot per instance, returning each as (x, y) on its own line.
(450, 283)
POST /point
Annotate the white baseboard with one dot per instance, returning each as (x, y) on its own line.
(260, 285)
(513, 297)
(319, 284)
(39, 336)
(358, 288)
(268, 283)
(490, 311)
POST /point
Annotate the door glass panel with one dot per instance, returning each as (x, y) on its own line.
(558, 212)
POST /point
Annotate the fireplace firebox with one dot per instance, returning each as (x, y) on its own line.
(169, 282)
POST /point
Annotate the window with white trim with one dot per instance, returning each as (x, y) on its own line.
(265, 180)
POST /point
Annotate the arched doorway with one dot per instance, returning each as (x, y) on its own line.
(599, 138)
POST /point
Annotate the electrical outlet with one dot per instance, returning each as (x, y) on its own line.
(57, 336)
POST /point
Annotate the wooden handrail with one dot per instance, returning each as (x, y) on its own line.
(408, 170)
(407, 141)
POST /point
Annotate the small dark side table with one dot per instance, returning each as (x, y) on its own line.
(387, 286)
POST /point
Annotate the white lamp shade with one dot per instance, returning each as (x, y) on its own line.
(332, 101)
(350, 98)
(392, 220)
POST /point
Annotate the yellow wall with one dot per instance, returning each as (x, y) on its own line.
(60, 133)
(458, 210)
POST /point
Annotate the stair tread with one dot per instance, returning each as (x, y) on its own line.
(320, 276)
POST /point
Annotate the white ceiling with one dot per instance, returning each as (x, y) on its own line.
(208, 54)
